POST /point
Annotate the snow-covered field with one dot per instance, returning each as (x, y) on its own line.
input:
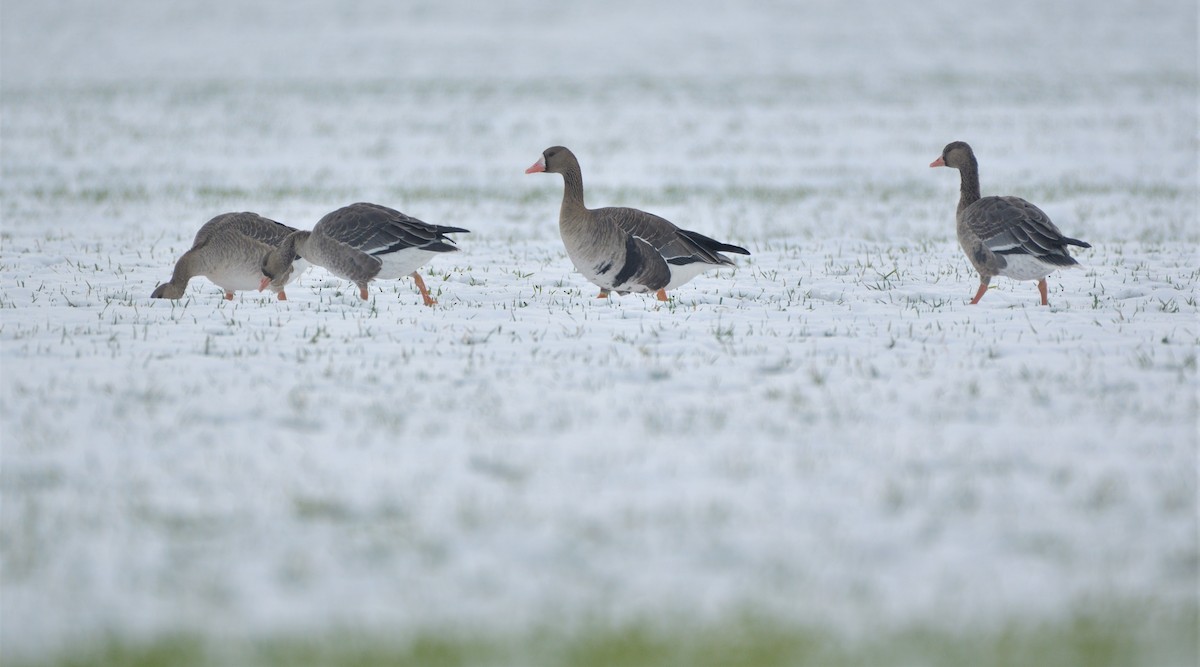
(824, 456)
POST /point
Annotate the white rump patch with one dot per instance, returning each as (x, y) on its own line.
(1026, 267)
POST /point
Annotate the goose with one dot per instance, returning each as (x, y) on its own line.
(625, 250)
(227, 250)
(1004, 236)
(362, 242)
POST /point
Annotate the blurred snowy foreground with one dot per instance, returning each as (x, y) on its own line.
(825, 452)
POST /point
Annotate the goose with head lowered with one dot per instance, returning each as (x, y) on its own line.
(1004, 236)
(227, 250)
(625, 250)
(363, 242)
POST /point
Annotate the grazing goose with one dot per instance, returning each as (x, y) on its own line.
(1004, 236)
(625, 250)
(362, 242)
(227, 251)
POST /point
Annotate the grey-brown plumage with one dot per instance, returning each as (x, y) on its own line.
(625, 250)
(1004, 236)
(227, 250)
(362, 242)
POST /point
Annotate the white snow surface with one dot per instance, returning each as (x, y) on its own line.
(827, 435)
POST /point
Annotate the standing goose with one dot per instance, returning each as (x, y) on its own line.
(625, 250)
(227, 250)
(1004, 236)
(362, 242)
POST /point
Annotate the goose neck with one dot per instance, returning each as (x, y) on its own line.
(969, 189)
(186, 268)
(295, 244)
(572, 190)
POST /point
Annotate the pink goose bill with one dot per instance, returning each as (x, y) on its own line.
(538, 166)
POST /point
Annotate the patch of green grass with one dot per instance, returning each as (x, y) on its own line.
(178, 651)
(365, 652)
(1087, 640)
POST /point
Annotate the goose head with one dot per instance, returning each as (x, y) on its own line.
(168, 291)
(554, 160)
(277, 266)
(956, 154)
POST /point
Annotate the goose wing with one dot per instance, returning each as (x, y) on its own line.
(675, 245)
(643, 270)
(259, 228)
(1013, 226)
(378, 230)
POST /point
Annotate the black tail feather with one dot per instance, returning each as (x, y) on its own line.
(713, 245)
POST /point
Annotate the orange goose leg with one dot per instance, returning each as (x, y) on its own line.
(282, 296)
(661, 294)
(603, 294)
(979, 295)
(429, 301)
(228, 295)
(1042, 288)
(362, 292)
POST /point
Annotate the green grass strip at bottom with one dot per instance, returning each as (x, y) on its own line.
(1094, 641)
